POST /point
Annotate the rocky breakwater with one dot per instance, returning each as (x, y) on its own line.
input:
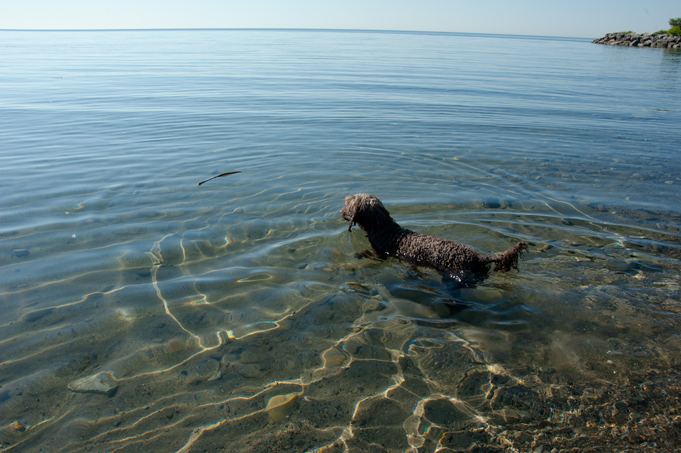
(641, 40)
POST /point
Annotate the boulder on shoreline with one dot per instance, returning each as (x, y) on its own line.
(640, 40)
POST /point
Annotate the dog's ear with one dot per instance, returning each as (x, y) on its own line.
(351, 219)
(350, 211)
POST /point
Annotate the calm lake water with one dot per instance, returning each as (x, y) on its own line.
(142, 312)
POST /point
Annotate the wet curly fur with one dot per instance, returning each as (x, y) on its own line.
(450, 258)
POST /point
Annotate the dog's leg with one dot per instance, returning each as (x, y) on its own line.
(369, 254)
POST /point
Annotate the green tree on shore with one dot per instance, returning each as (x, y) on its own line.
(676, 27)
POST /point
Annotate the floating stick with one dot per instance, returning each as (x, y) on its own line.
(218, 176)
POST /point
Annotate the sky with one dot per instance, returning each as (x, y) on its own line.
(573, 18)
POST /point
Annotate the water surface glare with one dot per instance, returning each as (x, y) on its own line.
(142, 312)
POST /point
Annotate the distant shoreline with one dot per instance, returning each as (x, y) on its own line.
(334, 30)
(663, 41)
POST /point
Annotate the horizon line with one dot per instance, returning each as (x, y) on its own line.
(354, 30)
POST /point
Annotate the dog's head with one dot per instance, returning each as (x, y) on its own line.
(366, 211)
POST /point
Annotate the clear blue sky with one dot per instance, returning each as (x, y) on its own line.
(573, 18)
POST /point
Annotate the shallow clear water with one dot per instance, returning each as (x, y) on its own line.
(143, 312)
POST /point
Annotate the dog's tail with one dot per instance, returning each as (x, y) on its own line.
(504, 262)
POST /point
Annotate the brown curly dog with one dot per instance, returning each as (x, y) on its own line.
(452, 259)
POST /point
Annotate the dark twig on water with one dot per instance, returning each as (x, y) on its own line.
(218, 176)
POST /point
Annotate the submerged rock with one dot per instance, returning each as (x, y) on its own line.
(103, 383)
(18, 426)
(21, 253)
(279, 405)
(491, 203)
(207, 369)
